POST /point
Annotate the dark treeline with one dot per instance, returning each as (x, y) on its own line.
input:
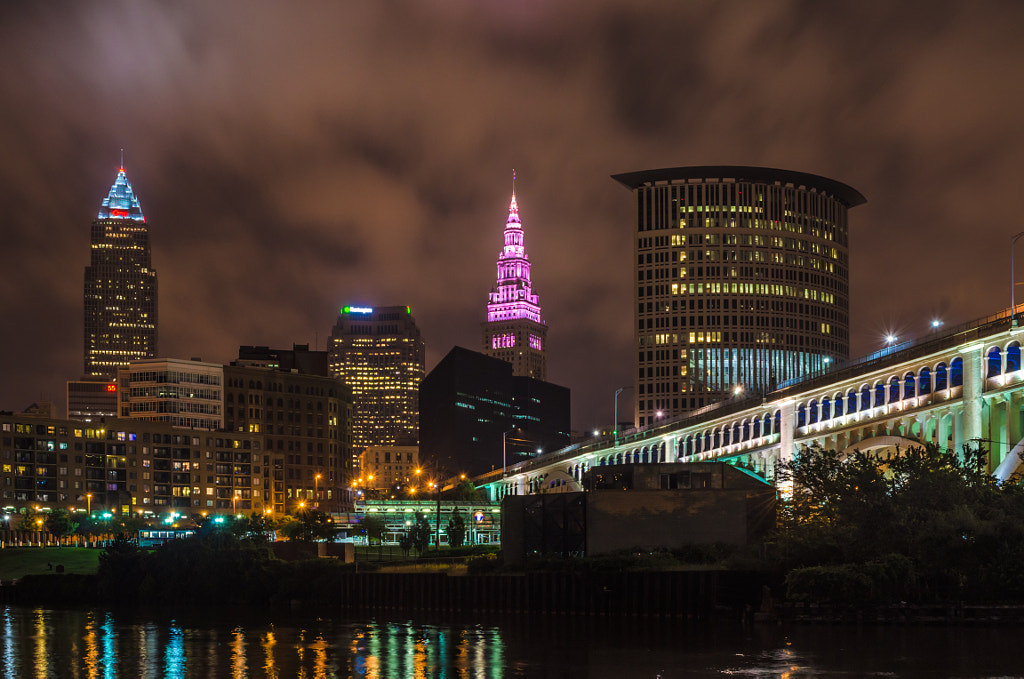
(919, 526)
(217, 568)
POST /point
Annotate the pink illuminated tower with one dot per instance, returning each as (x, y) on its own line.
(515, 331)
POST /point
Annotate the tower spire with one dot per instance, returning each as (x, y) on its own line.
(515, 330)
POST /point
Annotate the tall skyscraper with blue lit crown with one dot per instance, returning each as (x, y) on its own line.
(515, 331)
(120, 285)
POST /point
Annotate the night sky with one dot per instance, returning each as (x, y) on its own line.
(292, 158)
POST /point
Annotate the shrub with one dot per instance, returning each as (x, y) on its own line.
(483, 564)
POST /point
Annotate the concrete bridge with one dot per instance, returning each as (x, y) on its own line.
(961, 386)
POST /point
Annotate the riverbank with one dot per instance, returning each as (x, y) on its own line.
(17, 562)
(899, 614)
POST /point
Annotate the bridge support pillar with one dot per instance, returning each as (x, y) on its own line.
(942, 430)
(1013, 416)
(787, 417)
(996, 431)
(972, 393)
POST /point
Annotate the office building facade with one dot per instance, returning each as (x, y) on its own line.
(515, 331)
(91, 399)
(379, 354)
(120, 286)
(478, 416)
(302, 420)
(388, 468)
(127, 467)
(742, 282)
(183, 393)
(305, 420)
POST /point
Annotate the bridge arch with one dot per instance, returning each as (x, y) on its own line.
(994, 362)
(909, 385)
(894, 389)
(924, 380)
(559, 482)
(1012, 357)
(956, 372)
(880, 445)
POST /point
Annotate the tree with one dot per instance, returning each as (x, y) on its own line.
(456, 530)
(956, 530)
(373, 528)
(30, 522)
(59, 523)
(465, 492)
(130, 525)
(405, 543)
(259, 527)
(420, 534)
(312, 525)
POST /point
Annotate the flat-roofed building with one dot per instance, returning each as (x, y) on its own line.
(379, 353)
(306, 422)
(388, 467)
(91, 399)
(127, 466)
(187, 394)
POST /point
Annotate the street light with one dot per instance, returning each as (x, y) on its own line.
(88, 502)
(1013, 281)
(316, 489)
(615, 424)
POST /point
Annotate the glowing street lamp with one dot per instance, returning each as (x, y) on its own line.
(88, 502)
(316, 489)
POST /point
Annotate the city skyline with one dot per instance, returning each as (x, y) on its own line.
(324, 155)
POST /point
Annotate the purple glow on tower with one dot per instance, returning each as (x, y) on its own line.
(512, 297)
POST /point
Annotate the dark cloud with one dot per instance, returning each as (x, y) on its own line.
(292, 158)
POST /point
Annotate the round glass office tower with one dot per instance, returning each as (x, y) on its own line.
(742, 282)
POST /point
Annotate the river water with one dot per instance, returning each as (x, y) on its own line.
(43, 642)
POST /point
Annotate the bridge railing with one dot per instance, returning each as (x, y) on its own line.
(905, 351)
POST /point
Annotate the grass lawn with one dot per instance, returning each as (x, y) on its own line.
(18, 561)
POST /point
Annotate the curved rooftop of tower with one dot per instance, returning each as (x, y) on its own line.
(848, 195)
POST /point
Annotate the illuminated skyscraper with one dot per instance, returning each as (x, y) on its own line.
(379, 354)
(515, 331)
(120, 286)
(742, 282)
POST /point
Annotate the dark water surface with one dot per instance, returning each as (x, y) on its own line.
(43, 642)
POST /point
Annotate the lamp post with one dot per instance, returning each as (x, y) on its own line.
(1013, 281)
(437, 488)
(615, 423)
(316, 490)
(88, 502)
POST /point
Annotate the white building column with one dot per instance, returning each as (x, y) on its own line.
(787, 418)
(974, 384)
